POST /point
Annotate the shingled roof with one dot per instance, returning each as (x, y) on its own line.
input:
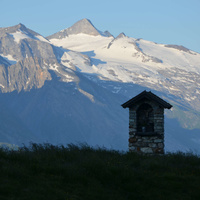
(149, 96)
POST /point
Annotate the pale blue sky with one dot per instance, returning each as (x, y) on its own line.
(161, 21)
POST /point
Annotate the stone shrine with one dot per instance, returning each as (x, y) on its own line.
(146, 123)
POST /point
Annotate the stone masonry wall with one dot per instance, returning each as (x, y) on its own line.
(152, 143)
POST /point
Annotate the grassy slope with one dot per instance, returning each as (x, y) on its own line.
(52, 172)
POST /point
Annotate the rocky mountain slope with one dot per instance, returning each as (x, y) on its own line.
(69, 86)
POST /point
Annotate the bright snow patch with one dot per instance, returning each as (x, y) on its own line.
(67, 77)
(20, 35)
(2, 86)
(28, 81)
(9, 58)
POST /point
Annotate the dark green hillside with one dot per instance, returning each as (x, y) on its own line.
(78, 173)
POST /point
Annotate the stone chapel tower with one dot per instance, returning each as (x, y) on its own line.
(146, 123)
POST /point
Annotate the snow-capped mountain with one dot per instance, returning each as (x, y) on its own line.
(71, 84)
(82, 35)
(171, 69)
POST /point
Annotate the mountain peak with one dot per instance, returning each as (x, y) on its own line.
(121, 35)
(85, 20)
(83, 26)
(20, 26)
(14, 29)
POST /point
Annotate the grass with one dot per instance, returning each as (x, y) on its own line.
(81, 172)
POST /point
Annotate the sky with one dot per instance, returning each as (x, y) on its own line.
(162, 21)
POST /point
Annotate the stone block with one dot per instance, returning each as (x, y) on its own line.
(132, 133)
(159, 120)
(137, 144)
(132, 148)
(147, 141)
(132, 116)
(158, 141)
(134, 129)
(132, 140)
(160, 145)
(130, 144)
(154, 137)
(159, 129)
(146, 150)
(141, 144)
(145, 138)
(152, 145)
(158, 117)
(160, 136)
(159, 124)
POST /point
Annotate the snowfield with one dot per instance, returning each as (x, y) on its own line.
(82, 42)
(20, 35)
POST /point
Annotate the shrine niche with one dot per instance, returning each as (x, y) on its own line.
(145, 119)
(146, 123)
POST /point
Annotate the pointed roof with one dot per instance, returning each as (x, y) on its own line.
(146, 95)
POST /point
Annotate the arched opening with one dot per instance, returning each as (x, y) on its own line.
(145, 119)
